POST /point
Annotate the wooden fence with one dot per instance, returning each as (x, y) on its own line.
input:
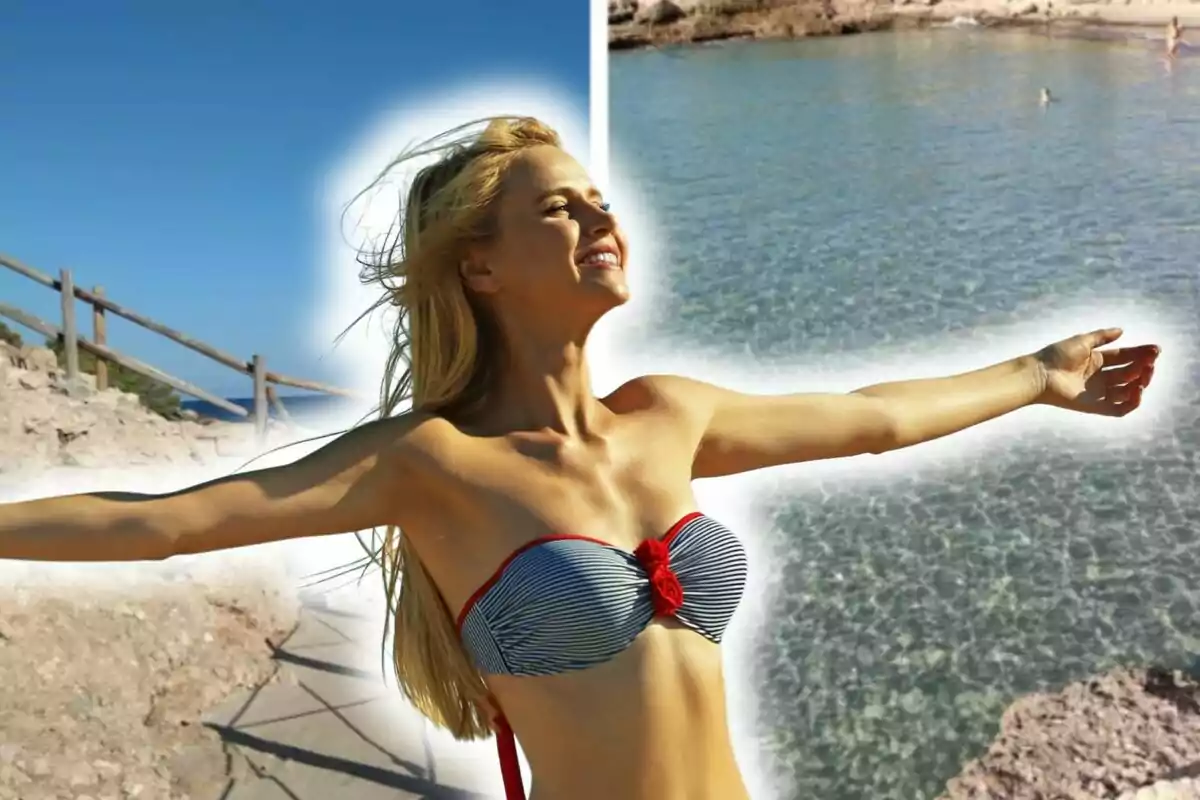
(265, 381)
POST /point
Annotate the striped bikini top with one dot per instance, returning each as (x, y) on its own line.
(564, 602)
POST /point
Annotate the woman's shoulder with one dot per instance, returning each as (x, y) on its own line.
(664, 392)
(414, 433)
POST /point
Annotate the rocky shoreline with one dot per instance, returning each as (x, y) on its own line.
(638, 24)
(1131, 734)
(107, 670)
(47, 424)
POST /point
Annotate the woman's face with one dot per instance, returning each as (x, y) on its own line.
(558, 252)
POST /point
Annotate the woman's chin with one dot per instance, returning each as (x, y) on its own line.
(618, 295)
(609, 282)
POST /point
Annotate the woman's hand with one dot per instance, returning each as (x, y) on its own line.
(1079, 376)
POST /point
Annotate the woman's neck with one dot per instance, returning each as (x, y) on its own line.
(547, 388)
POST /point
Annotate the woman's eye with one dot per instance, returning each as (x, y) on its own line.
(562, 208)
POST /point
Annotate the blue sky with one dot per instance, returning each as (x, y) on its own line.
(172, 152)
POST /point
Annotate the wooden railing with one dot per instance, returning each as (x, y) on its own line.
(264, 381)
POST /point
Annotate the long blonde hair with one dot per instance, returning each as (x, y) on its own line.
(443, 352)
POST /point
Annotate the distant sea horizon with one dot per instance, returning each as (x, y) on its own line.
(300, 407)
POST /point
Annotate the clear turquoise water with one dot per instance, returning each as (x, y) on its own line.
(822, 198)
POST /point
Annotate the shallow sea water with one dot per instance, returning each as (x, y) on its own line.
(824, 199)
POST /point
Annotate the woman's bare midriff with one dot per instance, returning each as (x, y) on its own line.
(648, 725)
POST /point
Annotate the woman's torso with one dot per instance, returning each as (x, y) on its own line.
(648, 721)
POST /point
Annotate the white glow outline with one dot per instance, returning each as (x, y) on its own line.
(614, 359)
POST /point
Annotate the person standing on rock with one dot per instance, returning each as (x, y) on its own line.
(554, 571)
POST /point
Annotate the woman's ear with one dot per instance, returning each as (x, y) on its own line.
(478, 276)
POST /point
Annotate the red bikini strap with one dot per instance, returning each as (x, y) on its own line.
(510, 767)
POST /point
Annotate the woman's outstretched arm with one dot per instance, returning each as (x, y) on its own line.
(739, 432)
(358, 481)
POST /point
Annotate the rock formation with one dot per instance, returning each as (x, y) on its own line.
(102, 686)
(1129, 734)
(641, 23)
(46, 423)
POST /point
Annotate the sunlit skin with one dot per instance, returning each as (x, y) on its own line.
(546, 455)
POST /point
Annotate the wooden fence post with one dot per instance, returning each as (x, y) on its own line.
(100, 336)
(70, 331)
(261, 410)
(281, 412)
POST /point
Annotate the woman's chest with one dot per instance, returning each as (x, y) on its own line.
(622, 488)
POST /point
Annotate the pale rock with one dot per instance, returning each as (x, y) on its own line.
(47, 422)
(103, 686)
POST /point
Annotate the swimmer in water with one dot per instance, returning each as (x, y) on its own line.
(1045, 97)
(1174, 37)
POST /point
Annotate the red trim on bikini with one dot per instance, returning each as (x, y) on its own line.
(510, 765)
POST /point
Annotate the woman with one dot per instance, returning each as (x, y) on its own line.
(553, 572)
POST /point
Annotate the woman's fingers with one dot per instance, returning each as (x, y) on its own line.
(1137, 372)
(1132, 398)
(1119, 401)
(1101, 337)
(1129, 355)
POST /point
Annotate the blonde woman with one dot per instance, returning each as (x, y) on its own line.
(553, 578)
